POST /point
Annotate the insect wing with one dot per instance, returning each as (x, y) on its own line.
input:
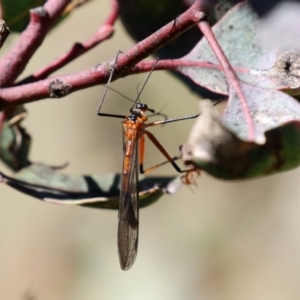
(128, 207)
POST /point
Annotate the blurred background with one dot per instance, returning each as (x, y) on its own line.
(217, 241)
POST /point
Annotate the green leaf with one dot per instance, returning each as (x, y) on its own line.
(97, 191)
(16, 12)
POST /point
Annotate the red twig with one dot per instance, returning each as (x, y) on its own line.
(103, 33)
(84, 79)
(41, 20)
(161, 37)
(230, 75)
(173, 64)
(62, 85)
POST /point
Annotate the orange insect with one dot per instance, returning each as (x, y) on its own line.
(134, 131)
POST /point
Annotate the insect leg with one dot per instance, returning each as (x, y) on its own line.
(108, 82)
(158, 145)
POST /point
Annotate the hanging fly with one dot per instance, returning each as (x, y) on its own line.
(134, 132)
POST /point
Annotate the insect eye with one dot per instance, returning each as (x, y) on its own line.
(141, 106)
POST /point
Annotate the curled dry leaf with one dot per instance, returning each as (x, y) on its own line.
(220, 152)
(4, 32)
(15, 142)
(45, 183)
(286, 69)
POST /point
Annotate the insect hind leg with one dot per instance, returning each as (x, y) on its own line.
(158, 145)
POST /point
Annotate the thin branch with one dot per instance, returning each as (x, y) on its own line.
(172, 64)
(60, 86)
(104, 32)
(42, 20)
(230, 75)
(63, 85)
(161, 37)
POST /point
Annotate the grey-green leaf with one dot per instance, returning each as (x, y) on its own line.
(98, 191)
